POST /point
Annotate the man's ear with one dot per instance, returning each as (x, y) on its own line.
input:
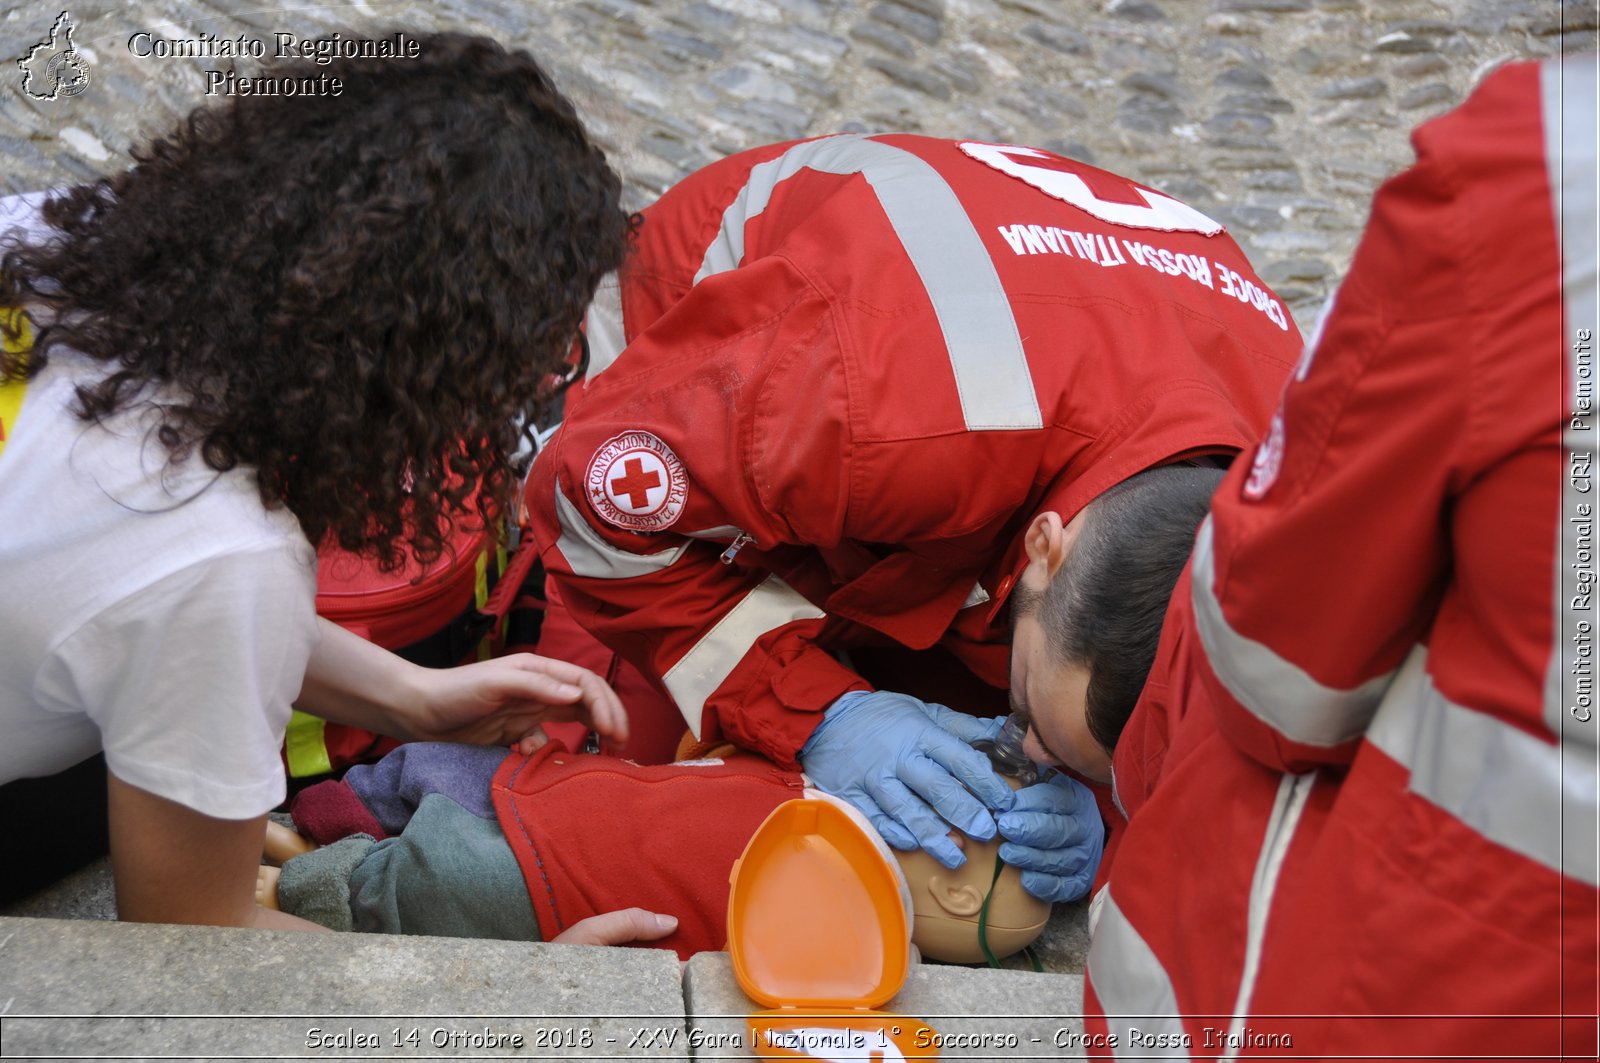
(964, 900)
(1047, 540)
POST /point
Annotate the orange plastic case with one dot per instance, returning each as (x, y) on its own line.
(819, 932)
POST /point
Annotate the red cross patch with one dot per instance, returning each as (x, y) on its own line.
(636, 482)
(1268, 462)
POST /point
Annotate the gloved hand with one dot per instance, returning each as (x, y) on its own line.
(1055, 837)
(904, 764)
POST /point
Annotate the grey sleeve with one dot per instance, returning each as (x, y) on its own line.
(450, 873)
(316, 886)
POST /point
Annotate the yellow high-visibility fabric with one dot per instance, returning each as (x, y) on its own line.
(12, 392)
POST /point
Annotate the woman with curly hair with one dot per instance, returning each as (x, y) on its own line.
(294, 321)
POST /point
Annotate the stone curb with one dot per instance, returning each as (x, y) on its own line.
(96, 989)
(90, 989)
(974, 1014)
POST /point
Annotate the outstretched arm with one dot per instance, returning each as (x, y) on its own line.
(494, 702)
(608, 928)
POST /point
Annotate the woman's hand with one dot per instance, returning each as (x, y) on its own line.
(508, 699)
(496, 702)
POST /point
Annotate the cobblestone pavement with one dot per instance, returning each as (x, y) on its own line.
(1278, 117)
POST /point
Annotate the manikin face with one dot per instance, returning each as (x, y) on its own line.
(1047, 692)
(946, 904)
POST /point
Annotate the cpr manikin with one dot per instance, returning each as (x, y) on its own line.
(623, 851)
(946, 904)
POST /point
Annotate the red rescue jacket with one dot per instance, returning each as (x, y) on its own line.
(596, 834)
(835, 380)
(1368, 751)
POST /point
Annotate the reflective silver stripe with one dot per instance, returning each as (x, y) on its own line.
(1098, 902)
(1276, 691)
(1129, 981)
(589, 555)
(976, 596)
(1286, 809)
(772, 604)
(1308, 353)
(1514, 788)
(602, 325)
(721, 533)
(980, 331)
(1567, 93)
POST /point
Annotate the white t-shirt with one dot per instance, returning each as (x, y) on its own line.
(160, 613)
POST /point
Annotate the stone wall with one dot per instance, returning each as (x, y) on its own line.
(1278, 117)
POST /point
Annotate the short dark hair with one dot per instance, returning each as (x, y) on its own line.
(1105, 606)
(359, 296)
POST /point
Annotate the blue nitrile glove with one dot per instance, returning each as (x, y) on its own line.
(904, 764)
(1054, 836)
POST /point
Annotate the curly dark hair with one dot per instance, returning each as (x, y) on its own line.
(361, 296)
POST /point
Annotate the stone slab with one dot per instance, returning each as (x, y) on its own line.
(95, 990)
(976, 1013)
(1063, 948)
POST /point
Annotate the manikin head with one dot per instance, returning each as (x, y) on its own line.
(946, 904)
(1088, 609)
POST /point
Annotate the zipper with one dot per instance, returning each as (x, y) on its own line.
(739, 543)
(1286, 809)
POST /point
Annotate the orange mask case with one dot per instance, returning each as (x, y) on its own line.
(819, 932)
